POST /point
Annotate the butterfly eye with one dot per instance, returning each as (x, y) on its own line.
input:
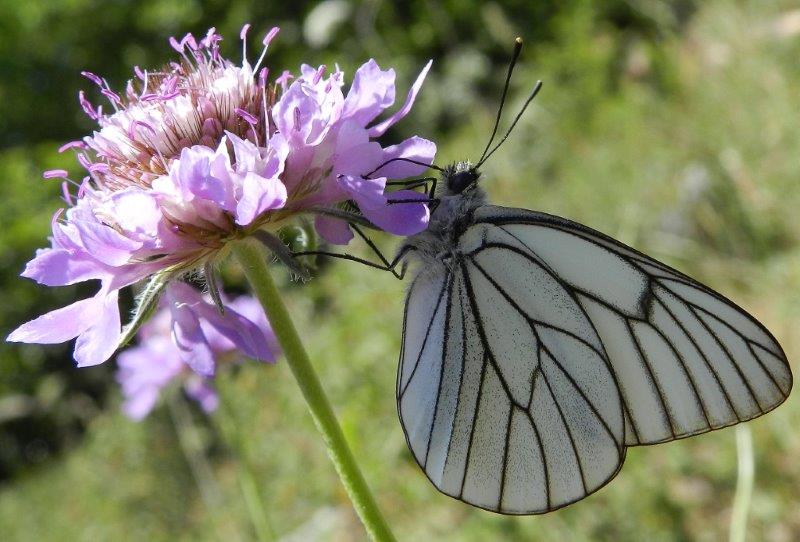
(461, 181)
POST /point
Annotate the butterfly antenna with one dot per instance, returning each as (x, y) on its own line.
(533, 94)
(514, 57)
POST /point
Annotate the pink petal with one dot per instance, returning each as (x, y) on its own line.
(139, 405)
(294, 113)
(350, 134)
(401, 218)
(61, 324)
(241, 332)
(190, 340)
(355, 154)
(194, 175)
(259, 194)
(414, 148)
(370, 94)
(209, 188)
(59, 267)
(106, 244)
(358, 160)
(379, 129)
(129, 274)
(98, 343)
(251, 309)
(137, 211)
(368, 193)
(202, 391)
(247, 154)
(333, 230)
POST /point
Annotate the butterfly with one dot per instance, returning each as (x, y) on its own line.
(536, 350)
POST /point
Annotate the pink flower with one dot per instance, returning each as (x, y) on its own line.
(332, 150)
(160, 359)
(204, 152)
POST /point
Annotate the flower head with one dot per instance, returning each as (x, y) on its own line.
(204, 152)
(163, 355)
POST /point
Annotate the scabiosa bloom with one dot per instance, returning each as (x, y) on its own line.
(332, 151)
(205, 152)
(163, 356)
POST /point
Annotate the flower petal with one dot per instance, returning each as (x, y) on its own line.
(145, 369)
(106, 244)
(136, 212)
(259, 194)
(199, 181)
(248, 156)
(203, 392)
(372, 91)
(244, 334)
(355, 154)
(190, 339)
(138, 405)
(401, 218)
(59, 267)
(414, 148)
(251, 309)
(368, 193)
(190, 169)
(59, 325)
(98, 342)
(333, 230)
(294, 113)
(379, 129)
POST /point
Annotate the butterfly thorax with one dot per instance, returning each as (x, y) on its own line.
(458, 195)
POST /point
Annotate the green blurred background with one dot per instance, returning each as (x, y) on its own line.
(670, 125)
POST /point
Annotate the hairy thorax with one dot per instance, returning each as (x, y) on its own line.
(438, 244)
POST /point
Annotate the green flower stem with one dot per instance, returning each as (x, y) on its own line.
(744, 484)
(255, 505)
(253, 260)
(231, 430)
(195, 457)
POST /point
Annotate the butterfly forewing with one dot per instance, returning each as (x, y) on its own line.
(686, 359)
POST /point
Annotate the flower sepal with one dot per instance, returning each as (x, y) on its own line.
(282, 253)
(299, 237)
(146, 304)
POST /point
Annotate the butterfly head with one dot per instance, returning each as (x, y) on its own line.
(459, 178)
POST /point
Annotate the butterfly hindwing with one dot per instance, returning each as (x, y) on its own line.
(506, 398)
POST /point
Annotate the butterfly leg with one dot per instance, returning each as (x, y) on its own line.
(432, 202)
(387, 266)
(416, 183)
(402, 159)
(390, 266)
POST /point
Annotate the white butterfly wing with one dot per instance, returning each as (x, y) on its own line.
(687, 360)
(504, 392)
(532, 361)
